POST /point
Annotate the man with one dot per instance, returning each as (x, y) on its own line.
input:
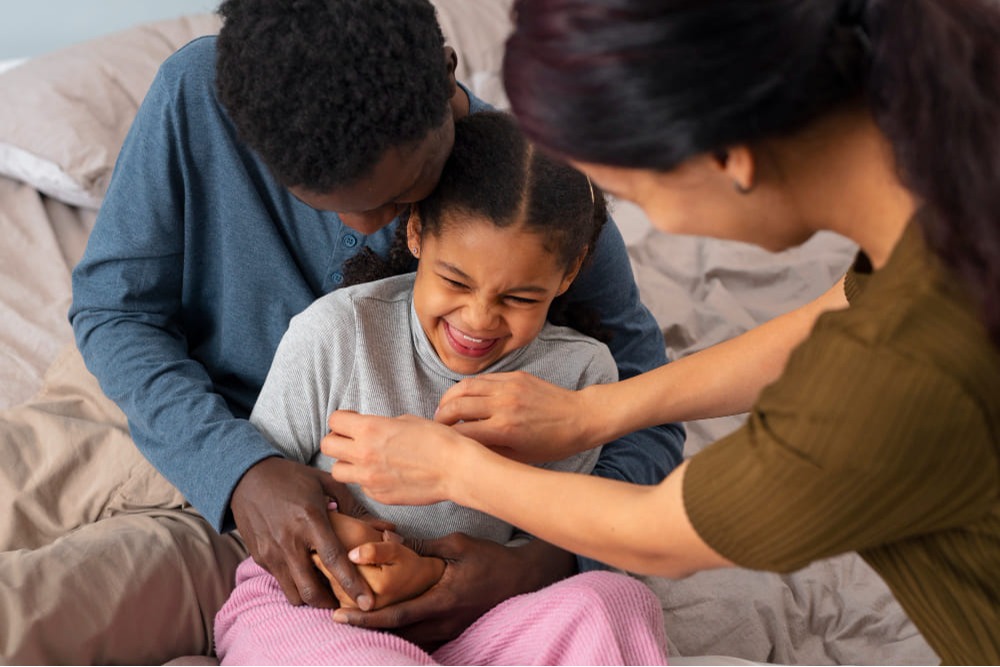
(259, 163)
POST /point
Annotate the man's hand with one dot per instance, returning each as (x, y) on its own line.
(280, 508)
(478, 575)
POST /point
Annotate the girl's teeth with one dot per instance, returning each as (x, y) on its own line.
(470, 338)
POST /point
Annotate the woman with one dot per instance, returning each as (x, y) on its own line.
(875, 410)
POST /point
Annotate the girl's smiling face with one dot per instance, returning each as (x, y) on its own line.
(482, 291)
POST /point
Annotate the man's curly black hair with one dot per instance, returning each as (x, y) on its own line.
(320, 89)
(494, 173)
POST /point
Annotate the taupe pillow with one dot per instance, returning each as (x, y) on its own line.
(65, 114)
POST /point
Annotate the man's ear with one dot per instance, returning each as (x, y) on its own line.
(451, 62)
(570, 276)
(413, 229)
(738, 164)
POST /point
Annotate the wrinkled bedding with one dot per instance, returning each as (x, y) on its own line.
(701, 291)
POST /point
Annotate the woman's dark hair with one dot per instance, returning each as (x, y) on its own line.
(320, 89)
(649, 83)
(494, 173)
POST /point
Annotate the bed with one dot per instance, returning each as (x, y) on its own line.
(62, 121)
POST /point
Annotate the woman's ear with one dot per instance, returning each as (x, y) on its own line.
(738, 164)
(413, 228)
(570, 276)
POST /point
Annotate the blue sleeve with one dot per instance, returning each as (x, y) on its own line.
(131, 328)
(607, 284)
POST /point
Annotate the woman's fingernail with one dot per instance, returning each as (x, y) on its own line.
(364, 602)
(339, 616)
(354, 554)
(332, 505)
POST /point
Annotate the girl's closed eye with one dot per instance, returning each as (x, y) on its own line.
(492, 258)
(454, 283)
(521, 300)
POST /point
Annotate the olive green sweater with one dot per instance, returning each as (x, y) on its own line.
(882, 437)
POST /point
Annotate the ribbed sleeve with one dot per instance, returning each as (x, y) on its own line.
(881, 438)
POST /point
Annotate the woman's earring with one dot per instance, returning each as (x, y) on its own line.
(415, 251)
(742, 189)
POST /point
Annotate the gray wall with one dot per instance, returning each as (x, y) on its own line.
(32, 27)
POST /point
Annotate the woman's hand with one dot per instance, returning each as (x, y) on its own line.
(403, 460)
(521, 416)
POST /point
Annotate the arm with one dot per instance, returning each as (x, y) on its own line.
(607, 285)
(134, 326)
(721, 380)
(480, 574)
(639, 528)
(131, 326)
(859, 460)
(643, 529)
(524, 417)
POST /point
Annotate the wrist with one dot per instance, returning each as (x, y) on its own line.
(464, 463)
(595, 419)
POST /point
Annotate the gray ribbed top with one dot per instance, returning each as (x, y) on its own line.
(362, 348)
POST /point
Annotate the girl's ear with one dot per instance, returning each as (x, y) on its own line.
(413, 228)
(572, 273)
(737, 163)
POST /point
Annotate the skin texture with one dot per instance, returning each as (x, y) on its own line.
(280, 506)
(404, 175)
(400, 575)
(475, 304)
(463, 288)
(837, 174)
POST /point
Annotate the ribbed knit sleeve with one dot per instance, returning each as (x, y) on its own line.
(880, 437)
(847, 452)
(313, 368)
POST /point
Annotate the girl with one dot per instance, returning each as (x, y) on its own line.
(501, 238)
(874, 411)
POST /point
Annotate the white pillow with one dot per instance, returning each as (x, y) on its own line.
(10, 64)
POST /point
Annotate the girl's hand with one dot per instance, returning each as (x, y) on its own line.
(478, 575)
(394, 572)
(406, 460)
(520, 416)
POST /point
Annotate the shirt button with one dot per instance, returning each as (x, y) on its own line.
(350, 241)
(338, 277)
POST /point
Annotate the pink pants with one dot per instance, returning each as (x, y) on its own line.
(597, 618)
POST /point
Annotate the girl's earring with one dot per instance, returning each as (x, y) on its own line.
(742, 189)
(415, 251)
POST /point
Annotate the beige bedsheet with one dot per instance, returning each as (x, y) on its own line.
(701, 292)
(40, 241)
